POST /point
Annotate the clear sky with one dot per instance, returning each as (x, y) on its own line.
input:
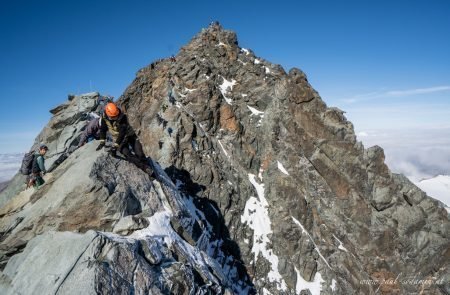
(386, 63)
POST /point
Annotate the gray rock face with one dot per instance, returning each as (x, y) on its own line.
(260, 188)
(62, 132)
(3, 185)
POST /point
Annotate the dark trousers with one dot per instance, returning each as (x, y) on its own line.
(35, 179)
(138, 158)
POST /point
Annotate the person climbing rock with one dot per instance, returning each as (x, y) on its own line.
(91, 132)
(125, 140)
(38, 168)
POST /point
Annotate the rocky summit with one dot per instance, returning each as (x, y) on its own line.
(259, 188)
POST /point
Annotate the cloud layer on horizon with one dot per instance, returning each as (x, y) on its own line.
(418, 153)
(9, 165)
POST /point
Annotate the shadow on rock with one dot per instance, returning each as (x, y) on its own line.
(213, 216)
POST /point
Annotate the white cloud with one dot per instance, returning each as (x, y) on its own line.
(399, 115)
(9, 165)
(362, 134)
(394, 93)
(438, 188)
(417, 153)
(417, 91)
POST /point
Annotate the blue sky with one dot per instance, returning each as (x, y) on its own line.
(386, 63)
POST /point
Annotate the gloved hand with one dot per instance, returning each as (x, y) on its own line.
(100, 146)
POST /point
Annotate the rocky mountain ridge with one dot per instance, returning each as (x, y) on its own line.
(260, 188)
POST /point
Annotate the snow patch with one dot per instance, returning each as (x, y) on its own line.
(243, 63)
(244, 95)
(255, 111)
(257, 61)
(159, 226)
(221, 44)
(223, 149)
(246, 51)
(256, 215)
(267, 70)
(281, 167)
(314, 287)
(259, 188)
(261, 171)
(224, 88)
(340, 247)
(362, 134)
(333, 284)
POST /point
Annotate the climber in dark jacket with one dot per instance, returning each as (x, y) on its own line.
(38, 168)
(116, 122)
(91, 132)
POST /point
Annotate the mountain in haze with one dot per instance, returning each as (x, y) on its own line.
(260, 189)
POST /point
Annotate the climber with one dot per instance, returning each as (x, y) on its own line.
(91, 132)
(116, 122)
(37, 168)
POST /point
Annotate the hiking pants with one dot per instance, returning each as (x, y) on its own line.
(138, 158)
(35, 179)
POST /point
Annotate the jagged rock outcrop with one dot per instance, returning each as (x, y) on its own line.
(62, 132)
(260, 188)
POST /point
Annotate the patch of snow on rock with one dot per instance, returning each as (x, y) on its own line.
(246, 51)
(333, 285)
(224, 88)
(340, 247)
(256, 215)
(281, 167)
(314, 287)
(255, 111)
(224, 151)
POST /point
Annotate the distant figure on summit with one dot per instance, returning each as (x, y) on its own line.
(116, 122)
(37, 168)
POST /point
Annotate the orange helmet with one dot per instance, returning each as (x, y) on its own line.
(111, 110)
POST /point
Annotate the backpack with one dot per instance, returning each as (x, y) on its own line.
(27, 163)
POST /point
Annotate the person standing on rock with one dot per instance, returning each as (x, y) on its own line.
(115, 122)
(38, 168)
